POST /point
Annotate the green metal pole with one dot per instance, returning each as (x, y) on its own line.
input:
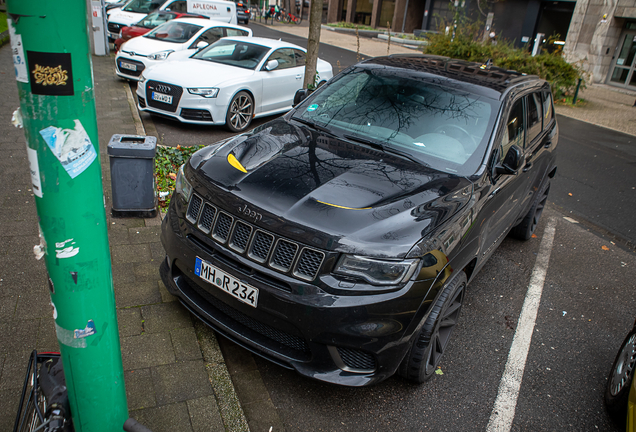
(51, 53)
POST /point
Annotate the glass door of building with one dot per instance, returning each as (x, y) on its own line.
(622, 73)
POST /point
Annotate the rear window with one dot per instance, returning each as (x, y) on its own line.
(174, 31)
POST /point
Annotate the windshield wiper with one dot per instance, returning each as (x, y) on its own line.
(386, 149)
(314, 125)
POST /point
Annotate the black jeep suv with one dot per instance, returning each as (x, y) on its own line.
(338, 240)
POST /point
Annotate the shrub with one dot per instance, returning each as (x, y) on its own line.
(167, 163)
(466, 45)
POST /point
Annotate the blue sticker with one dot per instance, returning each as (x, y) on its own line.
(88, 331)
(72, 147)
(312, 107)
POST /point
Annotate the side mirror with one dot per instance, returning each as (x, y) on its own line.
(300, 96)
(271, 65)
(512, 161)
(202, 44)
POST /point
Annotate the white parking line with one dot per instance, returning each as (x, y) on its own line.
(503, 412)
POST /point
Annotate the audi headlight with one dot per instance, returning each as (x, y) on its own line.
(161, 55)
(206, 92)
(182, 187)
(376, 271)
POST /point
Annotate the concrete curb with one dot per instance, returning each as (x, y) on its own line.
(410, 43)
(226, 397)
(363, 33)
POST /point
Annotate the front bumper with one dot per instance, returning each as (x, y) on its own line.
(131, 67)
(352, 340)
(185, 107)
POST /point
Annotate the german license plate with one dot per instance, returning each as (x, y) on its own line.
(129, 66)
(228, 283)
(160, 97)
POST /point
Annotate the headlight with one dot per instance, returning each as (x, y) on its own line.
(182, 186)
(207, 92)
(375, 271)
(161, 55)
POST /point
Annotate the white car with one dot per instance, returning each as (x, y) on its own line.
(230, 82)
(135, 10)
(176, 35)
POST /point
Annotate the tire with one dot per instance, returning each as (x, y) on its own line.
(619, 381)
(528, 225)
(424, 356)
(239, 112)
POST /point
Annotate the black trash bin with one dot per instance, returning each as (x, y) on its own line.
(132, 160)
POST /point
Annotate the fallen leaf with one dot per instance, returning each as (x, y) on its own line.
(439, 372)
(178, 147)
(570, 194)
(173, 176)
(534, 236)
(604, 247)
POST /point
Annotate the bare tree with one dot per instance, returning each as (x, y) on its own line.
(313, 42)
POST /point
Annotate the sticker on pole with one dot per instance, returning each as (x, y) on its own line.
(19, 61)
(89, 330)
(51, 73)
(72, 147)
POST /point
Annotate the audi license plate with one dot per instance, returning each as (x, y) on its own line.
(129, 66)
(228, 283)
(160, 97)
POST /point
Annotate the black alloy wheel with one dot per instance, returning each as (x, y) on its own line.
(240, 112)
(424, 357)
(619, 381)
(529, 223)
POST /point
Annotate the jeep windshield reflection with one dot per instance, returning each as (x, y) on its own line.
(445, 128)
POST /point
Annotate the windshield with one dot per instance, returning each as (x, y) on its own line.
(447, 129)
(143, 6)
(154, 19)
(241, 54)
(174, 31)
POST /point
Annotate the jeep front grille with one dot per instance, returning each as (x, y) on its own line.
(278, 253)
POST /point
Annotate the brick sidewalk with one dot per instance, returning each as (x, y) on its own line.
(176, 377)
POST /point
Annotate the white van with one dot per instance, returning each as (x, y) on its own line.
(218, 10)
(135, 10)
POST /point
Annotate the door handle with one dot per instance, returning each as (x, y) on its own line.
(527, 167)
(298, 77)
(548, 144)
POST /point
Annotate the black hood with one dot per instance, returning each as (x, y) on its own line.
(328, 192)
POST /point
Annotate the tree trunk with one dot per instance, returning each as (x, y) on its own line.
(313, 41)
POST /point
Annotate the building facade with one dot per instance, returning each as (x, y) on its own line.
(598, 35)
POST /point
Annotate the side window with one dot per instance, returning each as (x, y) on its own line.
(235, 32)
(178, 6)
(514, 130)
(547, 108)
(301, 58)
(209, 36)
(285, 57)
(534, 116)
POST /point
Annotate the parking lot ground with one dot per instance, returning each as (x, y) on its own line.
(587, 306)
